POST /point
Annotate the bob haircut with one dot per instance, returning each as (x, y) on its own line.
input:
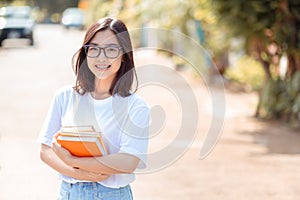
(122, 83)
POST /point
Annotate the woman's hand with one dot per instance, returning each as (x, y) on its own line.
(77, 173)
(63, 153)
(81, 174)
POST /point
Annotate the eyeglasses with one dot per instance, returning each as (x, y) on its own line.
(109, 51)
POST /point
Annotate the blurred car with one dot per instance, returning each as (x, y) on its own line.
(16, 22)
(73, 18)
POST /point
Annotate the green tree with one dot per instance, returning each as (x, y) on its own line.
(271, 29)
(54, 6)
(47, 7)
(3, 2)
(183, 16)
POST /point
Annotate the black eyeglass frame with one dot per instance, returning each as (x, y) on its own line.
(100, 49)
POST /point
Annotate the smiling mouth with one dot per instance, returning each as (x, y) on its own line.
(102, 67)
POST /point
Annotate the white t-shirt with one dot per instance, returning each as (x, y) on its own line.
(123, 121)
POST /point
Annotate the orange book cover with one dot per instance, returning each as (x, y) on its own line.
(82, 144)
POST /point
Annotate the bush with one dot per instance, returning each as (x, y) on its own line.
(281, 100)
(247, 72)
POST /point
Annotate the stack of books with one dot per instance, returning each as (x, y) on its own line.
(81, 141)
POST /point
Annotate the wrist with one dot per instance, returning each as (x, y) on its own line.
(75, 173)
(70, 161)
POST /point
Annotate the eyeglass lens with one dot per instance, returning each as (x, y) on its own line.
(109, 52)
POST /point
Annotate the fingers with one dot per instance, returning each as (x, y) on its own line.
(55, 146)
(81, 174)
(97, 177)
(56, 135)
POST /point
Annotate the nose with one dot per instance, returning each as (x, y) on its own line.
(101, 55)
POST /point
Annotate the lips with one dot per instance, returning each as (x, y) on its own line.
(102, 67)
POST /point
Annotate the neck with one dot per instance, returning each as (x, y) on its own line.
(101, 89)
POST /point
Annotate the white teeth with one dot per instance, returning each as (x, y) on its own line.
(102, 67)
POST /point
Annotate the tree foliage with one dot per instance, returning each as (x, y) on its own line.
(270, 27)
(272, 32)
(47, 7)
(55, 6)
(182, 16)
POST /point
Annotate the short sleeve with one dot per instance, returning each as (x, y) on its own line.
(52, 122)
(134, 138)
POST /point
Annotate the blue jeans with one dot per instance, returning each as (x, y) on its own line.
(92, 191)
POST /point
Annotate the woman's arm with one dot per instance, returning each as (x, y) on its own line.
(110, 164)
(50, 158)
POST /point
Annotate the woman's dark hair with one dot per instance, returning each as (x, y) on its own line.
(121, 85)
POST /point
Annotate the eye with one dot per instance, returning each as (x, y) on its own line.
(111, 49)
(93, 49)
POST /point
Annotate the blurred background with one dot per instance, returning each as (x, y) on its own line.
(251, 53)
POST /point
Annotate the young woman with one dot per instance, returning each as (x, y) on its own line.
(102, 97)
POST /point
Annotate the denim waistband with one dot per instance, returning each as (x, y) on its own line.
(89, 184)
(93, 190)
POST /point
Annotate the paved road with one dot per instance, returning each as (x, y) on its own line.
(28, 78)
(253, 160)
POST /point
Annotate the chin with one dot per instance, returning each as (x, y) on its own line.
(105, 76)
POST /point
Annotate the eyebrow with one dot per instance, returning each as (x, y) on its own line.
(111, 44)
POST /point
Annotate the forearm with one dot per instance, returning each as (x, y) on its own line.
(118, 163)
(50, 158)
(110, 164)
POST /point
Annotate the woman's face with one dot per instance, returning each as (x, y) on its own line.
(104, 66)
